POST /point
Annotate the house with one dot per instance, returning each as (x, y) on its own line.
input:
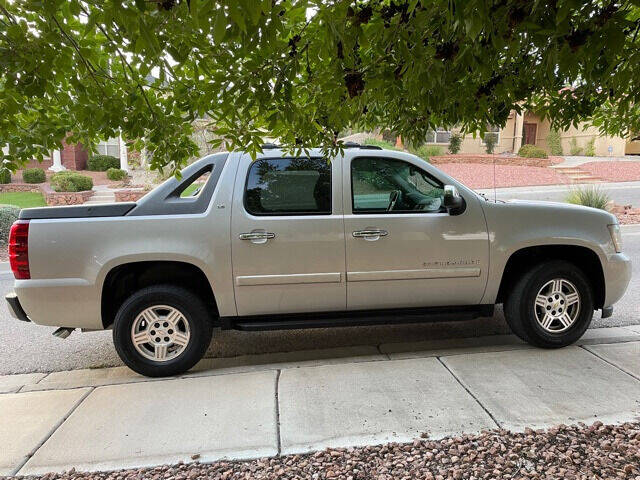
(529, 128)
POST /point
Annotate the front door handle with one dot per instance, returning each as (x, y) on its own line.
(257, 237)
(370, 234)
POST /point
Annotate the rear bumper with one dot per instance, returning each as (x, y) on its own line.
(15, 309)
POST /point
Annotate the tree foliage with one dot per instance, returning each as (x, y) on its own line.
(303, 70)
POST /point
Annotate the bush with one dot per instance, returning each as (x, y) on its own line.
(380, 143)
(555, 142)
(8, 215)
(589, 197)
(590, 149)
(116, 174)
(34, 175)
(490, 141)
(71, 182)
(455, 142)
(574, 148)
(102, 163)
(5, 176)
(531, 151)
(389, 136)
(426, 151)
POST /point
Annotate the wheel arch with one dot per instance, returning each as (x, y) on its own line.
(124, 279)
(582, 257)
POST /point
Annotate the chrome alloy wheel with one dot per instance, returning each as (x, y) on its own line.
(557, 305)
(160, 333)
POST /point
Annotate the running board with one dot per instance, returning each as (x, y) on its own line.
(355, 318)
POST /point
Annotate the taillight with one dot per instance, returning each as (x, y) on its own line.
(19, 249)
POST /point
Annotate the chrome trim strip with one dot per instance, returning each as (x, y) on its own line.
(294, 278)
(426, 273)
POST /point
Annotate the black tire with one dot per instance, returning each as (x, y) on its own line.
(519, 307)
(195, 314)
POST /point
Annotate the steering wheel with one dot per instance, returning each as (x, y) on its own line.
(394, 196)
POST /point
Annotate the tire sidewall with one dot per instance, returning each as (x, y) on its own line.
(540, 277)
(192, 310)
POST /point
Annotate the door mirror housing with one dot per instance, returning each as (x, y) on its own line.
(453, 202)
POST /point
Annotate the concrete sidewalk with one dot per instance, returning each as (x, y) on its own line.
(272, 404)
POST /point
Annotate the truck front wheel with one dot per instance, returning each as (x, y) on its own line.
(162, 330)
(551, 305)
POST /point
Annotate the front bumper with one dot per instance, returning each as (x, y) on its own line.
(15, 309)
(617, 274)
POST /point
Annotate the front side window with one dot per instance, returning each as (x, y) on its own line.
(289, 186)
(380, 185)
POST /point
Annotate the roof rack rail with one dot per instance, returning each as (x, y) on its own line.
(364, 147)
(269, 146)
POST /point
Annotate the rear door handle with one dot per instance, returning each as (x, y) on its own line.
(257, 237)
(370, 234)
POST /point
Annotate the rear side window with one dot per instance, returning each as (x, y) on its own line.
(289, 186)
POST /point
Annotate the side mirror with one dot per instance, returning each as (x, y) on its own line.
(453, 202)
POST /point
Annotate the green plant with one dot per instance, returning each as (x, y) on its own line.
(8, 215)
(389, 136)
(116, 174)
(380, 143)
(531, 151)
(490, 141)
(590, 149)
(427, 151)
(5, 176)
(71, 182)
(589, 197)
(455, 142)
(102, 163)
(34, 175)
(574, 149)
(555, 142)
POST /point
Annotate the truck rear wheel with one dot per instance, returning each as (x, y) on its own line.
(551, 305)
(162, 330)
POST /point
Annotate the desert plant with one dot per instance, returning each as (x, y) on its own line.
(116, 174)
(380, 143)
(71, 182)
(455, 142)
(589, 197)
(531, 151)
(5, 176)
(34, 175)
(490, 141)
(8, 215)
(590, 149)
(574, 149)
(102, 163)
(555, 142)
(426, 151)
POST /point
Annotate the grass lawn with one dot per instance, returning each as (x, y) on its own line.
(23, 199)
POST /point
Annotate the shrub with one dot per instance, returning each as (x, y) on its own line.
(389, 136)
(590, 149)
(5, 176)
(8, 215)
(589, 197)
(490, 141)
(531, 151)
(71, 182)
(426, 151)
(34, 175)
(555, 142)
(574, 148)
(380, 143)
(455, 142)
(116, 174)
(102, 163)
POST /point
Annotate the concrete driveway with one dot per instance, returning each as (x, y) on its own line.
(272, 404)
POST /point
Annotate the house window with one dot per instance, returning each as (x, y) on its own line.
(109, 147)
(439, 135)
(492, 131)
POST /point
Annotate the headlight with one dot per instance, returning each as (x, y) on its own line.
(616, 237)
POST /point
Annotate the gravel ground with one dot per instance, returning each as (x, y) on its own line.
(579, 452)
(614, 171)
(476, 175)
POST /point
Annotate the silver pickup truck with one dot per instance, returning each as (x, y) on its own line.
(368, 236)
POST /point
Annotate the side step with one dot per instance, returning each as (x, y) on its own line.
(355, 318)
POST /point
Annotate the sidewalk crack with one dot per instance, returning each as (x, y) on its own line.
(617, 367)
(470, 393)
(278, 440)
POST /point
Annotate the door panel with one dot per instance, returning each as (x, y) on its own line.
(301, 266)
(426, 258)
